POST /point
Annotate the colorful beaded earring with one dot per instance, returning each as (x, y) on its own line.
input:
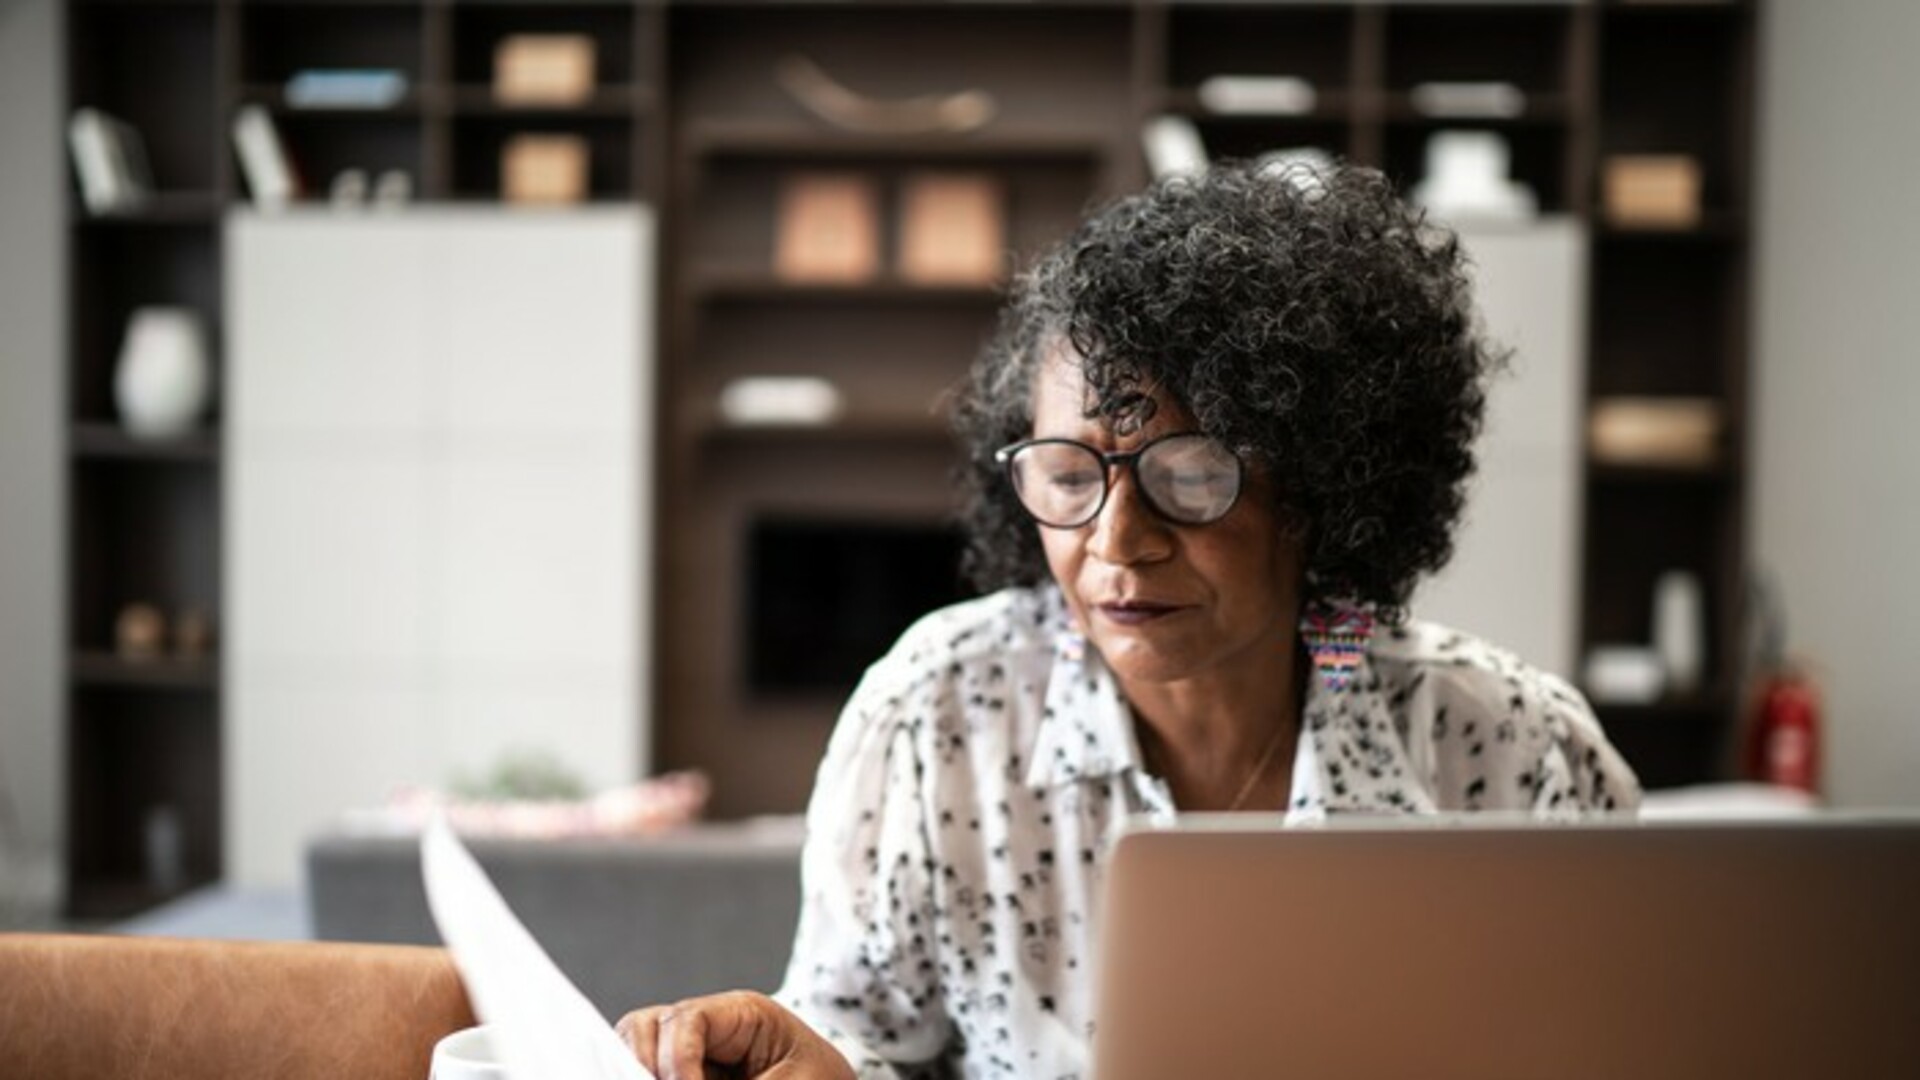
(1336, 636)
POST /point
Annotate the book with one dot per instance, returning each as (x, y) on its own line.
(270, 176)
(110, 161)
(346, 88)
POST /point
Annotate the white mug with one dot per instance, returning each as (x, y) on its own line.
(467, 1054)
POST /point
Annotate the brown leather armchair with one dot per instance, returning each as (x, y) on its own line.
(122, 1008)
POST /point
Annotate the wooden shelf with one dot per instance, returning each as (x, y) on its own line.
(162, 208)
(1329, 106)
(1622, 474)
(750, 285)
(1704, 706)
(1398, 108)
(713, 138)
(112, 442)
(851, 429)
(107, 669)
(615, 102)
(1713, 227)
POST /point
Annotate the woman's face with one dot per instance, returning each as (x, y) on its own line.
(1165, 602)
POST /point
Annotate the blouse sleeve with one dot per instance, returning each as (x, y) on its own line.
(863, 972)
(1580, 772)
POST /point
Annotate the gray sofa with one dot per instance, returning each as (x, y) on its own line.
(631, 922)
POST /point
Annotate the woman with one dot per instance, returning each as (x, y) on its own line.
(1221, 432)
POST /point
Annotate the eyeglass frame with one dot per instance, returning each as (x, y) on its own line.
(1131, 460)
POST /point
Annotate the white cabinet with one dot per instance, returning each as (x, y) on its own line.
(1514, 578)
(437, 533)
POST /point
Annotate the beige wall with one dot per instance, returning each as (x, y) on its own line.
(1837, 428)
(32, 280)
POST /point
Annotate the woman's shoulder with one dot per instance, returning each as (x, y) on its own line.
(1493, 731)
(1417, 651)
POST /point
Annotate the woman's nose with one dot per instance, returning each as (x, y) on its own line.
(1126, 531)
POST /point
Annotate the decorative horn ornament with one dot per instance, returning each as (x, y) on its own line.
(822, 95)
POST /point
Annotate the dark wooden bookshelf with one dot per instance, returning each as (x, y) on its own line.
(688, 115)
(102, 440)
(160, 673)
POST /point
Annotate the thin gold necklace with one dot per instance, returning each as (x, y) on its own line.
(1259, 769)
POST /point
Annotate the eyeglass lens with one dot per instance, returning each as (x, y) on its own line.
(1185, 478)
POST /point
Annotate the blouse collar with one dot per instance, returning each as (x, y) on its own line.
(1351, 756)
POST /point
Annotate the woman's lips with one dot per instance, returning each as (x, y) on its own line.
(1136, 613)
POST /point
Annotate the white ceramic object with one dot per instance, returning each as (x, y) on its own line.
(163, 379)
(1678, 624)
(467, 1054)
(1467, 178)
(1625, 675)
(803, 400)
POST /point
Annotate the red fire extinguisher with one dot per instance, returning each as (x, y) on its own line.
(1783, 725)
(1783, 734)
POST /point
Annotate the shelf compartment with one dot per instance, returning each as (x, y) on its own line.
(1538, 154)
(1311, 43)
(1636, 533)
(323, 143)
(1529, 46)
(1049, 68)
(478, 30)
(733, 219)
(479, 140)
(1249, 137)
(1678, 84)
(98, 439)
(153, 66)
(129, 753)
(279, 40)
(1671, 321)
(140, 535)
(117, 270)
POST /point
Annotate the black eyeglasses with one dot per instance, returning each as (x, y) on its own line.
(1185, 477)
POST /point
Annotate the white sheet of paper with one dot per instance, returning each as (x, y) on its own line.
(544, 1027)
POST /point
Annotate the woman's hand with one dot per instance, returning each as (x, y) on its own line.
(742, 1033)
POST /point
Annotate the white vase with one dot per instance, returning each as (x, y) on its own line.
(1679, 629)
(163, 378)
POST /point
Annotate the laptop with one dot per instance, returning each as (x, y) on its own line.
(1501, 950)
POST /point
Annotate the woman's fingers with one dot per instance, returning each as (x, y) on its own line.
(740, 1031)
(683, 1041)
(641, 1031)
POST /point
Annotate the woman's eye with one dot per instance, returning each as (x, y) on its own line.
(1074, 481)
(1196, 480)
